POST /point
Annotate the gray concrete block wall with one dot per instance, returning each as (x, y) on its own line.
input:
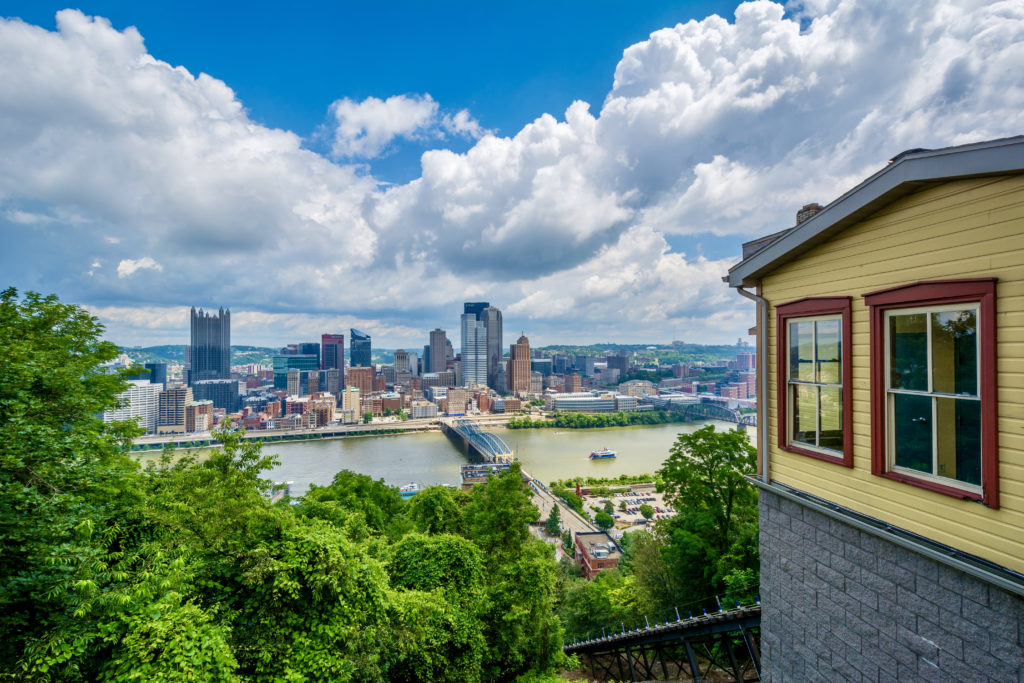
(839, 604)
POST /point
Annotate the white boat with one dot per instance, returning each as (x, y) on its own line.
(409, 490)
(602, 454)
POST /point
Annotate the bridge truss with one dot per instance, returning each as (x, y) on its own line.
(722, 647)
(493, 448)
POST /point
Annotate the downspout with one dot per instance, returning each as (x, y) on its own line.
(762, 368)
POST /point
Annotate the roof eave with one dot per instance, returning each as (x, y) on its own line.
(905, 175)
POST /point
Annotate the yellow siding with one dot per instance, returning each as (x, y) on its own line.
(970, 228)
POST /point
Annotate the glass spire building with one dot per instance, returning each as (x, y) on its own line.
(359, 351)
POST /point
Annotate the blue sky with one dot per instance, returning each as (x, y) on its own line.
(591, 168)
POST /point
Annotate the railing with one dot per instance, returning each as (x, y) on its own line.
(726, 642)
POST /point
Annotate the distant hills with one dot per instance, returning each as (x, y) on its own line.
(663, 353)
(175, 354)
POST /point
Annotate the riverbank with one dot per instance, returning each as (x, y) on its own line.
(155, 443)
(599, 420)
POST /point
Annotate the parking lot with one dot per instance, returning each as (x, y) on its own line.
(626, 505)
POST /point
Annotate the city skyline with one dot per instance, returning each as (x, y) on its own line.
(591, 176)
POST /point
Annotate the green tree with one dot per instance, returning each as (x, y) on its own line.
(64, 477)
(622, 505)
(567, 545)
(604, 520)
(715, 534)
(367, 418)
(608, 507)
(647, 511)
(499, 511)
(553, 524)
(438, 510)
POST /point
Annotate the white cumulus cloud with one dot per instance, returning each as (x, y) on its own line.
(365, 129)
(127, 266)
(713, 131)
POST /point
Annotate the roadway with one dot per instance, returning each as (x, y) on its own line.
(545, 500)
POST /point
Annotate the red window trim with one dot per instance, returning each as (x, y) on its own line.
(806, 308)
(936, 293)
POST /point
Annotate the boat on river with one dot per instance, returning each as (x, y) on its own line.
(409, 490)
(602, 454)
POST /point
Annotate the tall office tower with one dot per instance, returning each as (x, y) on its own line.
(475, 308)
(518, 368)
(401, 361)
(310, 349)
(492, 321)
(438, 350)
(414, 365)
(171, 409)
(210, 350)
(449, 352)
(474, 350)
(332, 355)
(158, 372)
(438, 361)
(359, 351)
(362, 379)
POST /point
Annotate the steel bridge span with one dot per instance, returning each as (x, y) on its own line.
(726, 642)
(715, 411)
(490, 447)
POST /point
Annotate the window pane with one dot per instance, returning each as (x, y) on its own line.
(829, 352)
(801, 351)
(955, 352)
(805, 411)
(912, 430)
(908, 352)
(831, 418)
(958, 431)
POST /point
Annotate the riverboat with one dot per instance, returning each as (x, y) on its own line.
(602, 454)
(409, 490)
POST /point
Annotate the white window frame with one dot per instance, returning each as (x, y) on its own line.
(890, 409)
(790, 383)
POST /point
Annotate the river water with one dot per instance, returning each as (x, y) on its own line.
(432, 458)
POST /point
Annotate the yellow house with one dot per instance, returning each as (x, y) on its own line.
(891, 398)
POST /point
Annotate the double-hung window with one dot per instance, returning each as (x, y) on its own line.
(813, 377)
(933, 386)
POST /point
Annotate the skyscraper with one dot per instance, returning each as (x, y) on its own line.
(518, 370)
(437, 361)
(332, 355)
(474, 350)
(401, 361)
(210, 351)
(475, 308)
(359, 354)
(491, 317)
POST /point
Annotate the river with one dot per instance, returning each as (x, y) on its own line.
(432, 458)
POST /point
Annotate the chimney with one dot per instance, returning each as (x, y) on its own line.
(807, 211)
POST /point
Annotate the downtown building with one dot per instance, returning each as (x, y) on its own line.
(332, 357)
(360, 352)
(436, 359)
(474, 350)
(139, 402)
(518, 368)
(210, 348)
